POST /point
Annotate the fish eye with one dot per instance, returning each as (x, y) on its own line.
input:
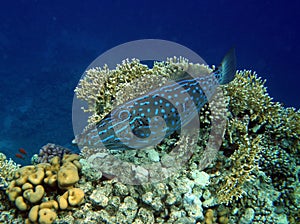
(124, 114)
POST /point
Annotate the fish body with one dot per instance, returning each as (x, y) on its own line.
(23, 151)
(22, 154)
(18, 155)
(147, 120)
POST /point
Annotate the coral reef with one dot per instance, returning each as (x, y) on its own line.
(254, 179)
(34, 188)
(261, 136)
(177, 200)
(260, 151)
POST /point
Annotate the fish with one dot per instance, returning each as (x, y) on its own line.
(20, 156)
(148, 119)
(23, 151)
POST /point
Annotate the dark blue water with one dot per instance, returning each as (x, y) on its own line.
(46, 45)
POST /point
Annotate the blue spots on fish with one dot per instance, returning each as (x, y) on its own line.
(141, 123)
(176, 103)
(139, 119)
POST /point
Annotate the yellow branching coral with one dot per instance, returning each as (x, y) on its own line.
(103, 88)
(257, 130)
(249, 95)
(99, 85)
(244, 161)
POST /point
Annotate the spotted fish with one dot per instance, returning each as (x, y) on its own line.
(147, 120)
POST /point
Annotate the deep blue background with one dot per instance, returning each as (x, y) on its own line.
(46, 45)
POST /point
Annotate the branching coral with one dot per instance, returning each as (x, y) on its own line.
(248, 96)
(7, 168)
(259, 135)
(243, 163)
(99, 86)
(103, 88)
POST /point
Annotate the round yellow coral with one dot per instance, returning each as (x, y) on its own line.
(37, 177)
(33, 214)
(46, 216)
(67, 176)
(63, 204)
(20, 204)
(34, 196)
(76, 196)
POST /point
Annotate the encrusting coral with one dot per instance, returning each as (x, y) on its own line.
(34, 187)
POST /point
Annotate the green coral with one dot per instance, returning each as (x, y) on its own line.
(7, 170)
(89, 171)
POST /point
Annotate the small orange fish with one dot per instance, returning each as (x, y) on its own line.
(19, 156)
(23, 151)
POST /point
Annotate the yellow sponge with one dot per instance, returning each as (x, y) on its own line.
(27, 186)
(30, 183)
(34, 196)
(49, 204)
(37, 177)
(63, 204)
(20, 204)
(67, 176)
(33, 213)
(22, 174)
(46, 216)
(13, 193)
(76, 196)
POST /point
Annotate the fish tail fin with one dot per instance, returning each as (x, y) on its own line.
(225, 72)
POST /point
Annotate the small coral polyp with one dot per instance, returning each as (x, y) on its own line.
(33, 187)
